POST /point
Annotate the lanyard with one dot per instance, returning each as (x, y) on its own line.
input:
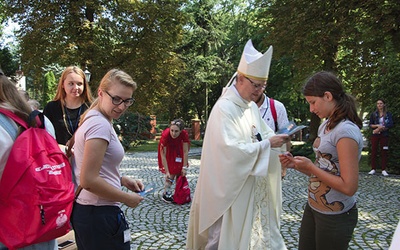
(266, 108)
(70, 125)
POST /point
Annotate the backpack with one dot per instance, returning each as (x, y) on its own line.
(36, 189)
(182, 191)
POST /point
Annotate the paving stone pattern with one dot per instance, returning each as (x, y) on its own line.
(159, 225)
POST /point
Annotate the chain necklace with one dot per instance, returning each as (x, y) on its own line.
(69, 126)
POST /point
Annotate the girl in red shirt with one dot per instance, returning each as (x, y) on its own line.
(173, 155)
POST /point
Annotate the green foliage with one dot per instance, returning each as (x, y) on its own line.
(135, 36)
(204, 56)
(132, 128)
(282, 87)
(303, 150)
(182, 53)
(385, 86)
(145, 146)
(8, 63)
(347, 37)
(364, 166)
(194, 143)
(49, 87)
(152, 145)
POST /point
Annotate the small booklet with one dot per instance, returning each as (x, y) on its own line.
(147, 190)
(290, 128)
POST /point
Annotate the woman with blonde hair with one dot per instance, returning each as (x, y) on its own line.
(97, 219)
(73, 97)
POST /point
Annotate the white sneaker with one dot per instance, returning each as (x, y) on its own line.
(384, 173)
(372, 171)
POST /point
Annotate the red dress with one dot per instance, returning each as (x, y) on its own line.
(174, 151)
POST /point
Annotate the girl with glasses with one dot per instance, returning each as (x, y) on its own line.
(97, 218)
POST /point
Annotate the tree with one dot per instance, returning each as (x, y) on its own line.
(213, 41)
(49, 87)
(7, 62)
(135, 36)
(182, 53)
(330, 35)
(205, 33)
(385, 84)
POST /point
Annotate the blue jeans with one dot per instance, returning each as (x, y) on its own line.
(99, 227)
(327, 232)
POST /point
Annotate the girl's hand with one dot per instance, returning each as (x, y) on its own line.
(302, 164)
(286, 160)
(133, 200)
(132, 184)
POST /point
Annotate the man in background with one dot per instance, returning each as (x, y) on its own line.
(273, 112)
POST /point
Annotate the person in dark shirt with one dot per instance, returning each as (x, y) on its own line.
(72, 99)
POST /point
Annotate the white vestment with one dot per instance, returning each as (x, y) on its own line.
(234, 166)
(395, 245)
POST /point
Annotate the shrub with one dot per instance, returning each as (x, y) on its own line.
(131, 128)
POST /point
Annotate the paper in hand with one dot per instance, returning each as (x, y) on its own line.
(147, 190)
(290, 128)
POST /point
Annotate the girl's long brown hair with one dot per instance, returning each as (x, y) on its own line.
(324, 81)
(11, 98)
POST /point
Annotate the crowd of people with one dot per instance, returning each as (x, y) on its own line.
(237, 202)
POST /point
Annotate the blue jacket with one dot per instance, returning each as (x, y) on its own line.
(388, 121)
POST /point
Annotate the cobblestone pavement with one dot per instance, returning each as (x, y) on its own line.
(158, 225)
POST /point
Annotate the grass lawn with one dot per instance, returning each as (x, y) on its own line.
(145, 146)
(151, 146)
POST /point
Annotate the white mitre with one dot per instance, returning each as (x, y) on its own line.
(253, 64)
